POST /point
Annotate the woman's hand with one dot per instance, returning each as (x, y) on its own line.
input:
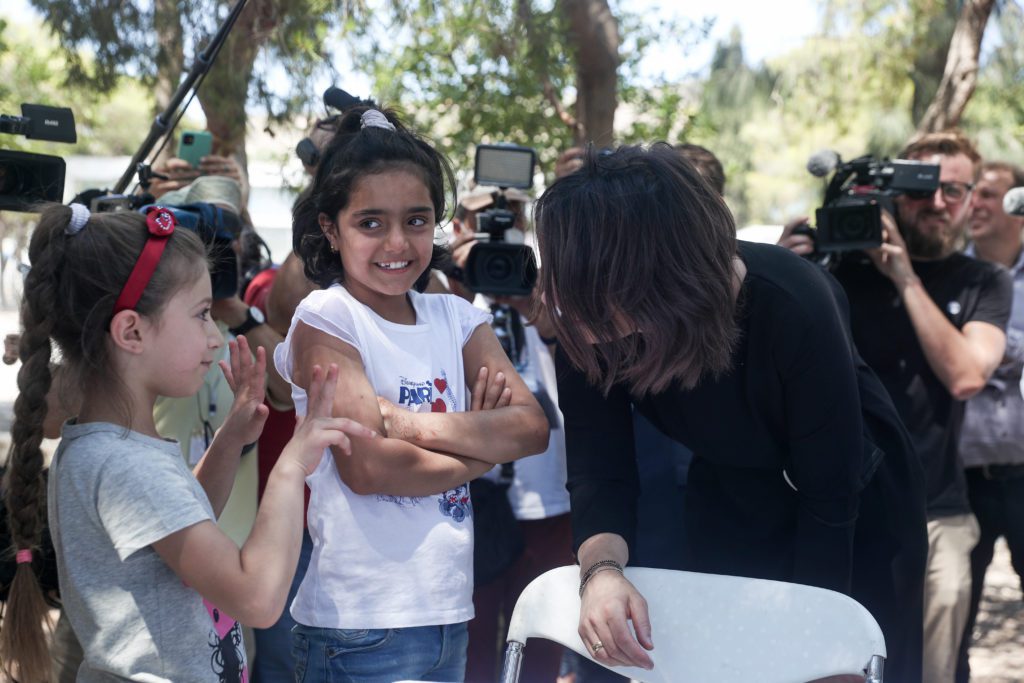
(609, 601)
(318, 431)
(247, 376)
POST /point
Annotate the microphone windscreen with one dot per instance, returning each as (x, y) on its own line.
(336, 98)
(1013, 202)
(822, 163)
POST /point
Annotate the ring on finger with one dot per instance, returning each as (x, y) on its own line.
(597, 647)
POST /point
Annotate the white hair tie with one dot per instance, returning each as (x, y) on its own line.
(79, 217)
(374, 118)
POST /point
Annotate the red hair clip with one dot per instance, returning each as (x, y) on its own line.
(160, 223)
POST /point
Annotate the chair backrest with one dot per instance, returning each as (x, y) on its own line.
(725, 629)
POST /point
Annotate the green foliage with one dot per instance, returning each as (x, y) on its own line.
(475, 71)
(468, 72)
(996, 112)
(33, 70)
(105, 39)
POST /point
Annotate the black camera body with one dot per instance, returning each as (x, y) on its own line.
(26, 178)
(494, 265)
(851, 216)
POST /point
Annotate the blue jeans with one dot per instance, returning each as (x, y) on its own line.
(273, 661)
(422, 653)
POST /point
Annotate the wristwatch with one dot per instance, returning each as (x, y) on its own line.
(253, 318)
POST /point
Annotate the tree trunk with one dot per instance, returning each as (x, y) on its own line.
(594, 34)
(961, 74)
(931, 51)
(170, 59)
(170, 55)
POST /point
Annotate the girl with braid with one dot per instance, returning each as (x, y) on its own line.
(126, 299)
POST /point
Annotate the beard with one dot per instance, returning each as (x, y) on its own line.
(930, 244)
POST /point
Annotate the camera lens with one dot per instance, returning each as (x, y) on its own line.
(498, 268)
(188, 138)
(852, 227)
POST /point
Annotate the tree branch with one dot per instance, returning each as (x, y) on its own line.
(961, 74)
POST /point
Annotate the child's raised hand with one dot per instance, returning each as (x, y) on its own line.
(247, 377)
(318, 430)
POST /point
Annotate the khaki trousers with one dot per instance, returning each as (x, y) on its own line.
(947, 593)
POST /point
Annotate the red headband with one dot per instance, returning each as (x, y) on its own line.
(161, 224)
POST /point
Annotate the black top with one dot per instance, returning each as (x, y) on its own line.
(966, 290)
(790, 408)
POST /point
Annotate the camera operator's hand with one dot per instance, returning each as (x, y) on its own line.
(179, 174)
(214, 164)
(892, 258)
(569, 161)
(798, 244)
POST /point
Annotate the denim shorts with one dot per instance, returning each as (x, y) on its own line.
(421, 653)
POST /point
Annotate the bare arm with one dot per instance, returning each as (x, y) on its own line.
(963, 359)
(495, 436)
(233, 312)
(251, 584)
(386, 465)
(608, 602)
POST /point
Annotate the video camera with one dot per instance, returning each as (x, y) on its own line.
(851, 215)
(27, 178)
(497, 265)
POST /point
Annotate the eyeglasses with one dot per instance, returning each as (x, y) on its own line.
(954, 191)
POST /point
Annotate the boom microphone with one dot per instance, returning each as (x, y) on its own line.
(822, 163)
(1013, 202)
(336, 98)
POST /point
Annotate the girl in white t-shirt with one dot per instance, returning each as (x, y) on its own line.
(389, 586)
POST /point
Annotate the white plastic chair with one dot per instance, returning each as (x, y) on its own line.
(714, 629)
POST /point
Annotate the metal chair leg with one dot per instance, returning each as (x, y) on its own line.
(513, 661)
(875, 667)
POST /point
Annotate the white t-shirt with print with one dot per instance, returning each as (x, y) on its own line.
(384, 561)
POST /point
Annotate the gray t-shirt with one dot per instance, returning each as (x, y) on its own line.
(112, 493)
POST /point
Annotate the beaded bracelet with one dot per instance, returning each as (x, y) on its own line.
(598, 567)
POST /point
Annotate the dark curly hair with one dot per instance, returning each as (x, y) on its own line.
(354, 153)
(69, 298)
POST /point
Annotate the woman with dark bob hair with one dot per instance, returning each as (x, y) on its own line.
(802, 470)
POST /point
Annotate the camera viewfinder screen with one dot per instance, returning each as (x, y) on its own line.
(504, 166)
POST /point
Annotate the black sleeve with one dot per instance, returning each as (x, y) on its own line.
(826, 450)
(600, 461)
(995, 299)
